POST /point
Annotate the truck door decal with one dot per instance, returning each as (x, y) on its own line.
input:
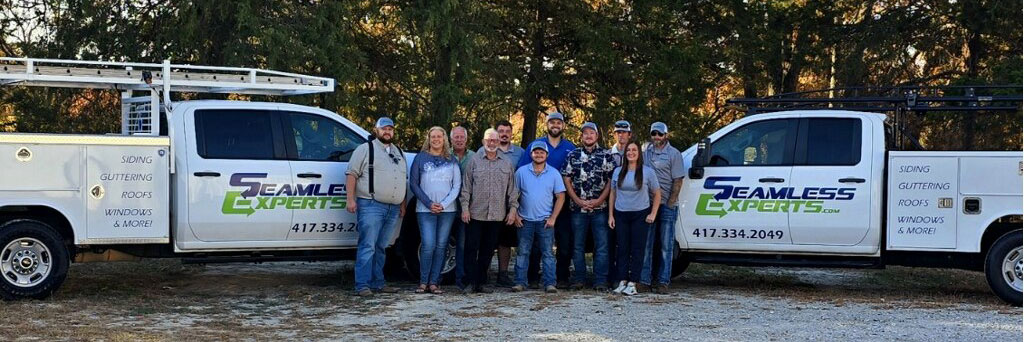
(728, 198)
(258, 195)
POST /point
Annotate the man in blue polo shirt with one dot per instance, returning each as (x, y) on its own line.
(558, 151)
(542, 195)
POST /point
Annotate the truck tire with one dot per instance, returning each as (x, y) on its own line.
(679, 262)
(1003, 267)
(408, 251)
(33, 260)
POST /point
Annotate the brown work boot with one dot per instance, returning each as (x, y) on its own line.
(661, 289)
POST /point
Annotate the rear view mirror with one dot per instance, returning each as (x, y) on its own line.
(700, 159)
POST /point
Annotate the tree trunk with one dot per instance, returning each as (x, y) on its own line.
(532, 95)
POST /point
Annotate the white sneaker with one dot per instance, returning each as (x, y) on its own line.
(630, 289)
(622, 286)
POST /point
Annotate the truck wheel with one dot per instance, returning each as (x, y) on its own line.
(447, 270)
(679, 262)
(1003, 267)
(33, 262)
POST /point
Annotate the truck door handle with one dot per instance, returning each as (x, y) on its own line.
(851, 180)
(771, 180)
(206, 174)
(309, 175)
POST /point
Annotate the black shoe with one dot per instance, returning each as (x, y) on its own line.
(504, 280)
(576, 286)
(535, 285)
(484, 289)
(387, 289)
(562, 285)
(601, 288)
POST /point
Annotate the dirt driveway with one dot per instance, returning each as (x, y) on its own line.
(164, 300)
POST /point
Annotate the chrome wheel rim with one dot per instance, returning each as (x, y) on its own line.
(25, 262)
(1013, 267)
(449, 259)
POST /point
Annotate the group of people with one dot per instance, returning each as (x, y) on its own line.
(552, 194)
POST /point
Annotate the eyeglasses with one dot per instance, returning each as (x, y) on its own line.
(621, 124)
(657, 134)
(394, 158)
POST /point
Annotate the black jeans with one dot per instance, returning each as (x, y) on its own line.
(564, 245)
(481, 240)
(631, 240)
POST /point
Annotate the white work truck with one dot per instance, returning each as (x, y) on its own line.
(822, 188)
(190, 179)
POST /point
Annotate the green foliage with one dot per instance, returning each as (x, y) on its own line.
(442, 62)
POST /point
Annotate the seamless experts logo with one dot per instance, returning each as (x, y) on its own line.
(727, 198)
(258, 195)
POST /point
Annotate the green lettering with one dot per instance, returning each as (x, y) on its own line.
(235, 204)
(708, 206)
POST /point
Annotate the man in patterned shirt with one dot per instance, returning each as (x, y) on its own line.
(586, 173)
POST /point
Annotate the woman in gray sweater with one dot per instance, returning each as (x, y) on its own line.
(436, 180)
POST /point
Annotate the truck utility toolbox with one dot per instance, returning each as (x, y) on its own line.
(115, 188)
(940, 200)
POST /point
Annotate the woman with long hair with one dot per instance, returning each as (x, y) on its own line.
(435, 179)
(634, 201)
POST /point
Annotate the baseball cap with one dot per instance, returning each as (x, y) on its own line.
(385, 121)
(555, 116)
(589, 125)
(659, 127)
(538, 144)
(623, 126)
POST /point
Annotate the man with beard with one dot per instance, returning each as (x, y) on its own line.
(667, 163)
(558, 151)
(507, 238)
(586, 175)
(376, 194)
(489, 200)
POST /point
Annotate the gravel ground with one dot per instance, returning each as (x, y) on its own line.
(163, 300)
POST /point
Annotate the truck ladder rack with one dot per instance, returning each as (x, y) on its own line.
(140, 115)
(164, 76)
(897, 101)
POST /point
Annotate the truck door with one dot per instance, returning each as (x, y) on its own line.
(832, 174)
(236, 177)
(319, 148)
(742, 198)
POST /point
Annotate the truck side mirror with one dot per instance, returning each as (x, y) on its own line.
(701, 159)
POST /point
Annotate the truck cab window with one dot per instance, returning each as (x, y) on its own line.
(831, 141)
(763, 143)
(234, 134)
(320, 138)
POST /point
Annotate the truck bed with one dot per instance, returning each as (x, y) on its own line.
(943, 201)
(118, 186)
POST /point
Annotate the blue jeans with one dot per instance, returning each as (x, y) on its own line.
(434, 229)
(376, 223)
(545, 236)
(597, 223)
(658, 256)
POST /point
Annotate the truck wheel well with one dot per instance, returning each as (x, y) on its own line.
(44, 214)
(997, 228)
